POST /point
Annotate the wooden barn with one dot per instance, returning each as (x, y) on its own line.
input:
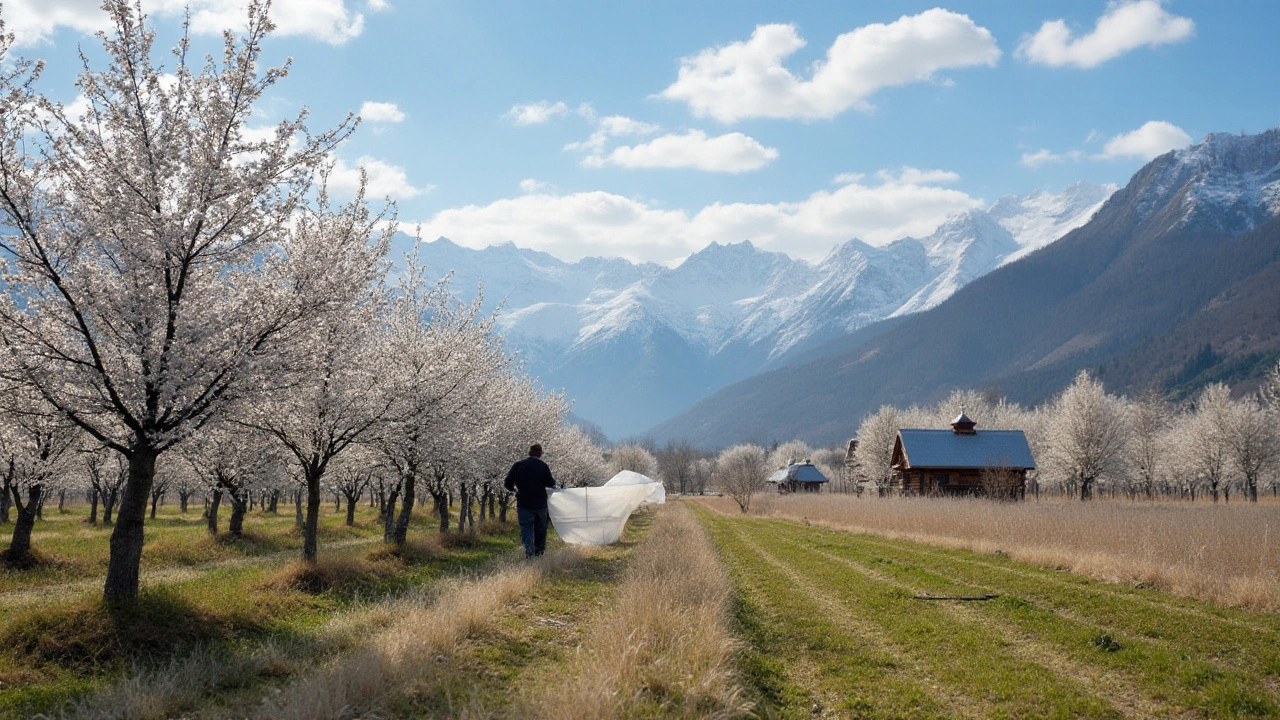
(962, 461)
(798, 477)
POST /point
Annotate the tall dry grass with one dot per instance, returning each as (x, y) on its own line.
(417, 633)
(1225, 554)
(663, 646)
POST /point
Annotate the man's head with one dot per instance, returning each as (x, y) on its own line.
(535, 450)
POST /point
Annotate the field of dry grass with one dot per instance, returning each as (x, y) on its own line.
(1227, 554)
(663, 645)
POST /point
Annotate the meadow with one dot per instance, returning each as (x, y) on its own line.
(1224, 553)
(792, 611)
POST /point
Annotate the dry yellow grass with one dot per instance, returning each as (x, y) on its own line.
(663, 647)
(1224, 554)
(417, 632)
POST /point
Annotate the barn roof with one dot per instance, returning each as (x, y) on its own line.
(947, 449)
(799, 472)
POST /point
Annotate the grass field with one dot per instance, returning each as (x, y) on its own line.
(835, 629)
(1224, 553)
(243, 606)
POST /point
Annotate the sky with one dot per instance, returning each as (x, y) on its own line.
(649, 129)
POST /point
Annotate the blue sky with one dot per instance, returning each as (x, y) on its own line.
(648, 129)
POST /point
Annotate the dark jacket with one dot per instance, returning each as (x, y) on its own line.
(530, 479)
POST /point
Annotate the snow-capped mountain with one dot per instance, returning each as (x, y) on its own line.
(633, 344)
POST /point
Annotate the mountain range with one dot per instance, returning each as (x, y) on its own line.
(1173, 283)
(633, 344)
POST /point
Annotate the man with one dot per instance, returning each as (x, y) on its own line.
(529, 480)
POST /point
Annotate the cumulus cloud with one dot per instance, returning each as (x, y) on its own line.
(530, 185)
(1152, 140)
(747, 79)
(384, 180)
(535, 113)
(331, 21)
(732, 153)
(607, 127)
(381, 112)
(1125, 26)
(599, 223)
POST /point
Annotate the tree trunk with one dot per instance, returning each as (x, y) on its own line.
(211, 515)
(93, 506)
(311, 530)
(1086, 489)
(20, 545)
(4, 497)
(1251, 488)
(351, 511)
(406, 509)
(62, 501)
(184, 496)
(389, 517)
(441, 501)
(464, 503)
(297, 508)
(127, 537)
(238, 508)
(274, 506)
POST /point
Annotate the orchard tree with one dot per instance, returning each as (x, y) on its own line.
(151, 276)
(232, 462)
(1253, 441)
(1149, 419)
(1089, 434)
(1207, 446)
(634, 457)
(575, 460)
(792, 451)
(741, 472)
(37, 444)
(876, 437)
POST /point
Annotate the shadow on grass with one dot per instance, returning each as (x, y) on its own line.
(94, 634)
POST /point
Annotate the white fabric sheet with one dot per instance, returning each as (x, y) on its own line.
(627, 477)
(595, 515)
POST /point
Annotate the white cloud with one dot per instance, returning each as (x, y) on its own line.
(607, 127)
(600, 223)
(530, 185)
(331, 21)
(535, 113)
(732, 153)
(1043, 156)
(1152, 140)
(1125, 26)
(381, 112)
(846, 178)
(747, 79)
(384, 180)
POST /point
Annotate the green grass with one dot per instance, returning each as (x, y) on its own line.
(835, 630)
(227, 597)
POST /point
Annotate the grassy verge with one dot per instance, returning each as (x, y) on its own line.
(219, 618)
(836, 630)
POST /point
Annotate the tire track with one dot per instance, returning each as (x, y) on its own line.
(957, 701)
(1120, 693)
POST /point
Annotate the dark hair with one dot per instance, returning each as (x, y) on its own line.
(535, 450)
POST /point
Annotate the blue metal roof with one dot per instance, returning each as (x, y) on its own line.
(947, 449)
(799, 472)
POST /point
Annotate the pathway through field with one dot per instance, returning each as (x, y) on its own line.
(835, 629)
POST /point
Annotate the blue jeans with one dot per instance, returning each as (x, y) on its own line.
(533, 530)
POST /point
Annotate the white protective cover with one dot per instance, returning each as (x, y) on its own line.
(594, 515)
(627, 477)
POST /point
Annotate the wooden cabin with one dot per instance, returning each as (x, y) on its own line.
(962, 461)
(798, 477)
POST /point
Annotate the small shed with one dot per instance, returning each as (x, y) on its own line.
(963, 461)
(798, 477)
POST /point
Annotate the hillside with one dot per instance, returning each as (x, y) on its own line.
(1187, 254)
